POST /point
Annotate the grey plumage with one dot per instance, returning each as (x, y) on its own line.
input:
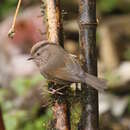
(57, 65)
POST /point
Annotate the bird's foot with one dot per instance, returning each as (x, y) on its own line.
(56, 91)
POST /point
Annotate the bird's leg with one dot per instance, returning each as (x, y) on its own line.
(56, 91)
(53, 91)
(61, 88)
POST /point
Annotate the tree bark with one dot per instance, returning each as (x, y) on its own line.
(55, 35)
(87, 20)
(2, 127)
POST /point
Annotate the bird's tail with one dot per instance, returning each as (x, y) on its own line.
(93, 81)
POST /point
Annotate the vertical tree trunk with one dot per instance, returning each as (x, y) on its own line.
(55, 35)
(55, 30)
(89, 118)
(1, 121)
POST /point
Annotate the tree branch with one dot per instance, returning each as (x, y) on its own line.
(55, 35)
(87, 21)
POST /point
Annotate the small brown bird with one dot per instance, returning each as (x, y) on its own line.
(57, 65)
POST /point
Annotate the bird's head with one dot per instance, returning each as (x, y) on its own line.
(39, 52)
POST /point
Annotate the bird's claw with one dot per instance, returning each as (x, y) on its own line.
(55, 91)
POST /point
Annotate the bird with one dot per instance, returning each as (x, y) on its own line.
(57, 65)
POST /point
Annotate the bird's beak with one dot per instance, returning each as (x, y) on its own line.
(30, 58)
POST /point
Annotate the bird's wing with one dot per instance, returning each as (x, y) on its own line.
(65, 67)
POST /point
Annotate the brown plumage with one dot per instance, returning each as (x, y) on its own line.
(57, 65)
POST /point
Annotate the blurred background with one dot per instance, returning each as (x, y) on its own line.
(23, 99)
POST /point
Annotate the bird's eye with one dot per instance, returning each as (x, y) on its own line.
(38, 54)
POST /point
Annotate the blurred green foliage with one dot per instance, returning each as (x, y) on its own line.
(17, 119)
(22, 85)
(13, 118)
(6, 6)
(40, 123)
(127, 54)
(20, 120)
(112, 78)
(107, 5)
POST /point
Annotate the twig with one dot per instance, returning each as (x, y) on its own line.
(89, 117)
(11, 32)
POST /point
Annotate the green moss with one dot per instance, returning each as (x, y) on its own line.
(75, 115)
